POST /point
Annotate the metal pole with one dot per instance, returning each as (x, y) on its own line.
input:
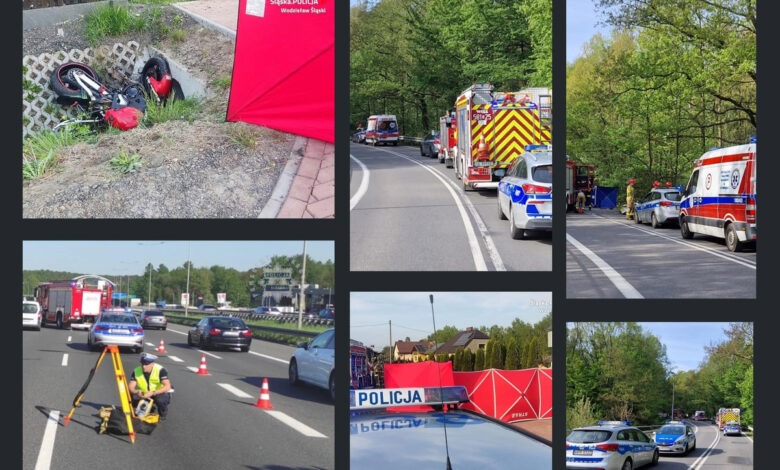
(303, 287)
(392, 348)
(187, 307)
(149, 299)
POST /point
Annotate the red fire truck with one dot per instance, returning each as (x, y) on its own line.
(74, 303)
(493, 129)
(448, 140)
(361, 365)
(579, 177)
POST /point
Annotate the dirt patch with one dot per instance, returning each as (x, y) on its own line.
(206, 168)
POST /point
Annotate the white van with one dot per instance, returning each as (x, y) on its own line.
(720, 198)
(382, 129)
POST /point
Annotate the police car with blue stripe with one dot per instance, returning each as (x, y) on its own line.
(675, 437)
(660, 206)
(422, 427)
(525, 192)
(610, 445)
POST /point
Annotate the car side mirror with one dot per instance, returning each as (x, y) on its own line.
(303, 344)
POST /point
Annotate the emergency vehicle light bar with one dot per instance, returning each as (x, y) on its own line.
(617, 423)
(538, 148)
(383, 397)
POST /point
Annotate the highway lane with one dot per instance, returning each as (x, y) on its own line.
(608, 256)
(410, 213)
(213, 420)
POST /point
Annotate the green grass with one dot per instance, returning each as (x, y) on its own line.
(175, 110)
(125, 163)
(243, 134)
(222, 83)
(35, 167)
(111, 20)
(39, 151)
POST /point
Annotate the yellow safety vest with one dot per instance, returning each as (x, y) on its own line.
(154, 378)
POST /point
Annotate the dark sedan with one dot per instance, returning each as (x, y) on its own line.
(429, 147)
(220, 332)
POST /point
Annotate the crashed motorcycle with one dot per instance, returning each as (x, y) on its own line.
(78, 86)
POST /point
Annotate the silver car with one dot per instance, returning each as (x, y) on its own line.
(313, 361)
(116, 327)
(31, 314)
(660, 206)
(610, 445)
(154, 319)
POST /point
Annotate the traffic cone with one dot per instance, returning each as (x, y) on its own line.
(265, 399)
(202, 369)
(161, 347)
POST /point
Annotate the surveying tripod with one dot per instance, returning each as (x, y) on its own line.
(121, 383)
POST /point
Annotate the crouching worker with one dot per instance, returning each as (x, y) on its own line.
(150, 380)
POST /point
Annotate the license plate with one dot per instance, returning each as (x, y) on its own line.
(230, 333)
(582, 452)
(114, 331)
(482, 163)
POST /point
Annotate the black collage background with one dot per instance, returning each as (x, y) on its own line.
(762, 311)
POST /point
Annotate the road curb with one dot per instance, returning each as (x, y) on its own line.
(285, 181)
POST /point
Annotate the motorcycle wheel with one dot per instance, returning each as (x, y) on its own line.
(65, 87)
(157, 68)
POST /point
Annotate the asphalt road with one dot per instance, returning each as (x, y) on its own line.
(410, 213)
(213, 421)
(713, 451)
(608, 256)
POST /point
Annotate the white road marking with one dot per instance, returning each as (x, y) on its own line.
(703, 457)
(70, 338)
(476, 253)
(235, 391)
(47, 444)
(175, 358)
(363, 188)
(64, 360)
(295, 424)
(617, 280)
(682, 241)
(283, 361)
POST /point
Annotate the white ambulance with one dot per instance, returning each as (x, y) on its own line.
(720, 198)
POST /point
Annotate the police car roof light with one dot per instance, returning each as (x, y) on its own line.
(537, 147)
(614, 423)
(415, 396)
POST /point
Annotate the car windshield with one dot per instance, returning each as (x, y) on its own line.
(117, 319)
(227, 323)
(672, 430)
(29, 308)
(672, 195)
(543, 173)
(588, 436)
(154, 314)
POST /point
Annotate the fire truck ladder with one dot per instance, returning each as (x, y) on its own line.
(545, 114)
(121, 384)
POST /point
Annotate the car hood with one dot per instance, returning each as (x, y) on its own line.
(666, 439)
(390, 441)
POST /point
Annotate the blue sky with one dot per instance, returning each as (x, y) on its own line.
(131, 257)
(685, 342)
(375, 315)
(581, 20)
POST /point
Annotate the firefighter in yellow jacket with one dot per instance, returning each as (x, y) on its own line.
(630, 199)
